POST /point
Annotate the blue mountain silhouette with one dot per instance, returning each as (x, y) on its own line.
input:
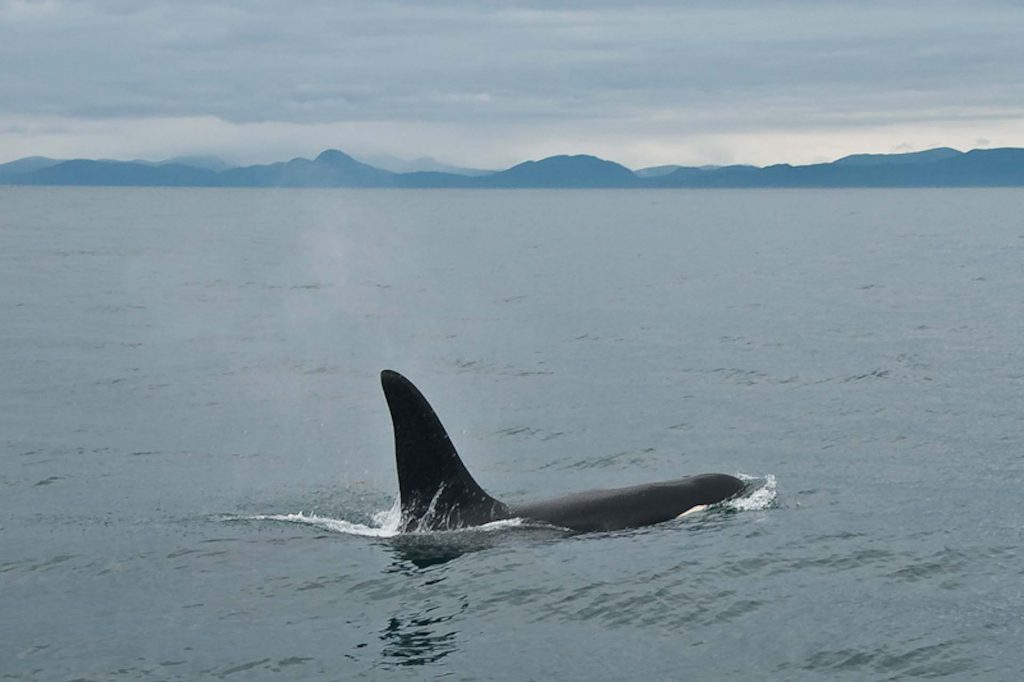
(941, 167)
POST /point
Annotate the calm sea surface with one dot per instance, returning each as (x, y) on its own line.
(196, 458)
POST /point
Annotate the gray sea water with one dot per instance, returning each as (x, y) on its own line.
(196, 460)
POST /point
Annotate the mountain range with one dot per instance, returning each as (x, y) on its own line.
(941, 167)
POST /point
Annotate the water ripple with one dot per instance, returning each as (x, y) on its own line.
(931, 660)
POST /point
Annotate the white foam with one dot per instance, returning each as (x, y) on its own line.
(516, 522)
(761, 496)
(386, 523)
(390, 519)
(327, 523)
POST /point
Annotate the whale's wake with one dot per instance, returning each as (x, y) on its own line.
(385, 524)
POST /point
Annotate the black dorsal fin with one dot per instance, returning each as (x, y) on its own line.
(436, 490)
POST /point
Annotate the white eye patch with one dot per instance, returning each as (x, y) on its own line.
(698, 508)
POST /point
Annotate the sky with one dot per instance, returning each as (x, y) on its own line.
(490, 84)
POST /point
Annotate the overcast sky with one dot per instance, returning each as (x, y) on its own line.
(488, 84)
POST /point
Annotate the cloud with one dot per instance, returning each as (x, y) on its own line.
(527, 73)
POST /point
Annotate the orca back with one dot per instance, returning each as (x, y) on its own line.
(634, 506)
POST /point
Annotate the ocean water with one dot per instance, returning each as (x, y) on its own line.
(196, 466)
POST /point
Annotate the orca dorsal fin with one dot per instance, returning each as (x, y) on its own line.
(436, 490)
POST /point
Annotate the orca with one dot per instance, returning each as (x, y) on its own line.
(437, 492)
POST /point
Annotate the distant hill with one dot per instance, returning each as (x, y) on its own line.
(562, 172)
(423, 164)
(941, 167)
(910, 157)
(121, 173)
(209, 162)
(656, 171)
(331, 168)
(659, 171)
(26, 165)
(977, 168)
(554, 172)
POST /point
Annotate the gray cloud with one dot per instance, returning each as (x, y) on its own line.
(549, 70)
